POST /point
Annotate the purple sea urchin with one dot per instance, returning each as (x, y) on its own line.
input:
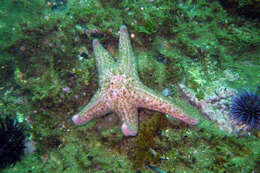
(245, 110)
(12, 142)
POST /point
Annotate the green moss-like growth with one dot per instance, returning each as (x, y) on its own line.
(7, 68)
(46, 85)
(45, 80)
(152, 72)
(16, 16)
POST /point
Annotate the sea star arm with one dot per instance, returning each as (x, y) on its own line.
(147, 98)
(129, 117)
(126, 55)
(103, 58)
(95, 108)
(122, 92)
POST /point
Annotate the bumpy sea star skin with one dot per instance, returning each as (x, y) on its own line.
(122, 92)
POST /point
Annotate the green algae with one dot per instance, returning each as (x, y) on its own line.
(16, 16)
(150, 70)
(198, 40)
(65, 148)
(206, 148)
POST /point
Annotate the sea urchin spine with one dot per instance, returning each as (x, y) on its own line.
(12, 142)
(245, 110)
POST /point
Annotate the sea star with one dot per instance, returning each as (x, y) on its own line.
(122, 92)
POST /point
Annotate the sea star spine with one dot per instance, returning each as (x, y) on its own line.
(121, 91)
(149, 99)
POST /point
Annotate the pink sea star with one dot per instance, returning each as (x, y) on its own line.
(122, 92)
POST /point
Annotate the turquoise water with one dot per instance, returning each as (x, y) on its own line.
(199, 54)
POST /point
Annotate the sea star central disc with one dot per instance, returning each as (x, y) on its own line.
(121, 91)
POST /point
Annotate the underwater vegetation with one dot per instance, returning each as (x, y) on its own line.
(245, 110)
(145, 140)
(16, 16)
(12, 142)
(48, 71)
